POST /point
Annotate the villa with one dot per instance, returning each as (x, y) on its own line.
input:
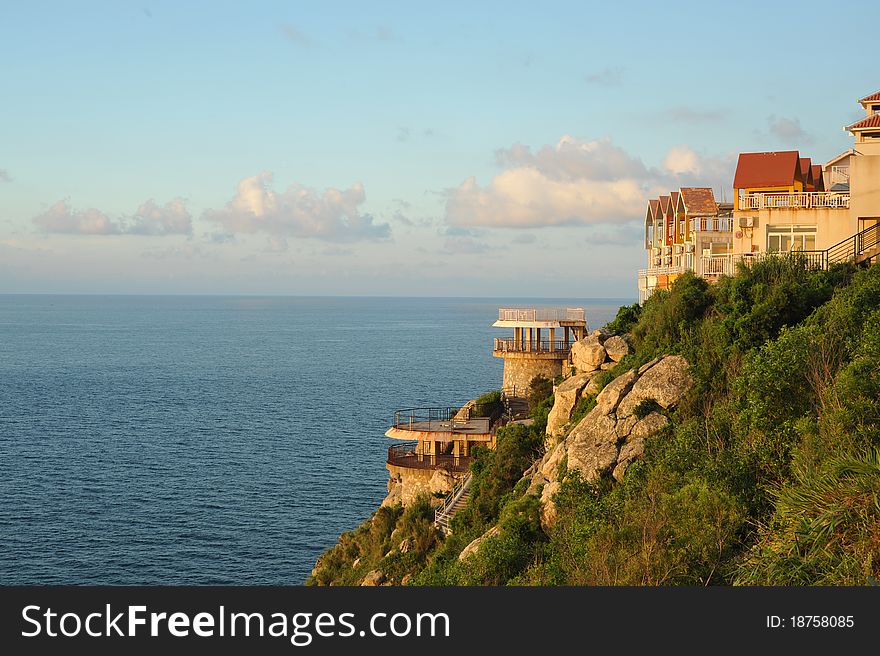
(782, 203)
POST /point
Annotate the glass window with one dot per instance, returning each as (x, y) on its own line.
(791, 238)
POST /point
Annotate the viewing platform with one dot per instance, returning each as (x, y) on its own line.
(529, 354)
(800, 201)
(472, 422)
(410, 456)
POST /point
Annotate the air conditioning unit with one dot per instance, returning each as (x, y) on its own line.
(667, 260)
(667, 250)
(748, 222)
(689, 248)
(657, 261)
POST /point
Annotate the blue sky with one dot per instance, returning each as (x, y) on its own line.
(388, 147)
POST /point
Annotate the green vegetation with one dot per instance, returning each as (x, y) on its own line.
(768, 473)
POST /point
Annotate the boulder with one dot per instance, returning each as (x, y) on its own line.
(592, 387)
(566, 397)
(666, 382)
(550, 462)
(616, 347)
(548, 507)
(395, 495)
(592, 460)
(441, 482)
(474, 546)
(653, 423)
(535, 484)
(587, 354)
(614, 391)
(600, 333)
(625, 425)
(648, 365)
(405, 545)
(592, 445)
(406, 579)
(373, 578)
(605, 366)
(631, 450)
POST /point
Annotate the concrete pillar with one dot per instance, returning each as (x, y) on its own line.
(529, 339)
(565, 329)
(537, 339)
(552, 339)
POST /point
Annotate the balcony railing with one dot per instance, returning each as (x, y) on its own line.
(541, 314)
(525, 346)
(805, 200)
(839, 175)
(725, 265)
(661, 271)
(474, 418)
(409, 456)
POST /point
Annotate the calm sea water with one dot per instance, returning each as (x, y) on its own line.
(214, 440)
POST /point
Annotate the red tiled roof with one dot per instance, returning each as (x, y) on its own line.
(673, 200)
(805, 167)
(653, 204)
(874, 97)
(664, 203)
(866, 123)
(699, 201)
(818, 180)
(776, 169)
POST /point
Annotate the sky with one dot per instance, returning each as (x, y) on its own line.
(392, 148)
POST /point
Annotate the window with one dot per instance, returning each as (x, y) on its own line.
(791, 238)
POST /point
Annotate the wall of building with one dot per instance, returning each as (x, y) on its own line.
(519, 371)
(832, 226)
(864, 183)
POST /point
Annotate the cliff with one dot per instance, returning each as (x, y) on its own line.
(732, 440)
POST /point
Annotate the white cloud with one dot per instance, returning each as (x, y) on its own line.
(60, 218)
(298, 212)
(150, 219)
(170, 219)
(576, 182)
(681, 160)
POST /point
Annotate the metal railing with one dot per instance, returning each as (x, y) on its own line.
(801, 200)
(541, 314)
(410, 457)
(509, 345)
(839, 175)
(469, 418)
(661, 271)
(443, 515)
(712, 224)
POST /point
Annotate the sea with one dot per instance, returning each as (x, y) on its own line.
(199, 440)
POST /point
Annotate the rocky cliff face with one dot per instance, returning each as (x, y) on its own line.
(629, 410)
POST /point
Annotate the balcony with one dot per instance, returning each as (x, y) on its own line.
(839, 175)
(557, 346)
(725, 265)
(541, 314)
(408, 456)
(471, 419)
(662, 271)
(811, 200)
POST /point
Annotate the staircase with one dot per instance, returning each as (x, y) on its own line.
(515, 407)
(456, 500)
(859, 248)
